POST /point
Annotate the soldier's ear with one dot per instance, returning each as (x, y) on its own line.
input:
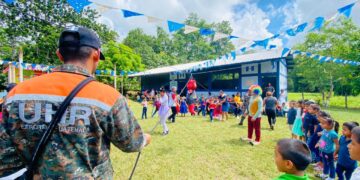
(59, 55)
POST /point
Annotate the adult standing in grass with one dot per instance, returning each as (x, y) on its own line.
(270, 103)
(254, 119)
(238, 104)
(164, 110)
(79, 147)
(225, 105)
(245, 106)
(173, 102)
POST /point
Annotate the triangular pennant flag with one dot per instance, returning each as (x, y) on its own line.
(264, 43)
(9, 1)
(318, 23)
(233, 55)
(272, 46)
(285, 51)
(290, 32)
(190, 29)
(308, 54)
(151, 19)
(227, 56)
(301, 27)
(218, 36)
(275, 36)
(297, 52)
(317, 57)
(78, 5)
(206, 32)
(174, 26)
(127, 13)
(243, 49)
(233, 37)
(346, 10)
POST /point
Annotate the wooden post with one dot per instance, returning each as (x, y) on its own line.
(115, 86)
(122, 85)
(21, 76)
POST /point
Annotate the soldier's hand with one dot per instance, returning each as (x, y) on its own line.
(147, 138)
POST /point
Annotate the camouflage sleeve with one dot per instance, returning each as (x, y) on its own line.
(122, 128)
(9, 160)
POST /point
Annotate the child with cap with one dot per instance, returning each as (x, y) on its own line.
(292, 157)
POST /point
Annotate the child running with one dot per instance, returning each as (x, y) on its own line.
(328, 144)
(292, 157)
(297, 127)
(354, 150)
(345, 165)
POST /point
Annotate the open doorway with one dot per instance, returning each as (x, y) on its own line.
(265, 80)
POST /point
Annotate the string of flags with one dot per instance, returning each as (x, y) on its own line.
(28, 66)
(47, 68)
(173, 26)
(320, 58)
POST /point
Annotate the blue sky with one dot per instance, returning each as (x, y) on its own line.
(250, 19)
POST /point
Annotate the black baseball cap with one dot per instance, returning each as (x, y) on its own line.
(77, 36)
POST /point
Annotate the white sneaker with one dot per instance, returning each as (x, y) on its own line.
(330, 178)
(255, 143)
(245, 139)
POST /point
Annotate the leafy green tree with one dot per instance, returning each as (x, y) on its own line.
(339, 40)
(124, 59)
(163, 49)
(36, 26)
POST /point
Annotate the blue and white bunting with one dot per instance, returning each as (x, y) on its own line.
(206, 32)
(174, 26)
(346, 10)
(127, 13)
(318, 23)
(298, 29)
(9, 1)
(263, 43)
(233, 55)
(284, 52)
(78, 5)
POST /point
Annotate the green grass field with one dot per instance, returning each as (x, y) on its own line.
(198, 149)
(335, 101)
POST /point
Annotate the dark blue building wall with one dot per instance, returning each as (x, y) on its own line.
(206, 81)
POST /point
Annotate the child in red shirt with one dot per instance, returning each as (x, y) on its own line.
(212, 106)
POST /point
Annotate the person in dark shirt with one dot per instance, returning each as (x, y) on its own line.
(345, 165)
(291, 115)
(308, 121)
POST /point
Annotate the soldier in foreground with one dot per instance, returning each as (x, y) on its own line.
(79, 148)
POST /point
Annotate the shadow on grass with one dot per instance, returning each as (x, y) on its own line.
(237, 142)
(238, 126)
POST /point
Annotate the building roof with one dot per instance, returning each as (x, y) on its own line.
(245, 58)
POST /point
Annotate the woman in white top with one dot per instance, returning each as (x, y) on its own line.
(164, 110)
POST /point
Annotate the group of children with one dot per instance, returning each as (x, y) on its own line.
(319, 132)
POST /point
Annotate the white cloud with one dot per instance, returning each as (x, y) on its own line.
(308, 10)
(250, 22)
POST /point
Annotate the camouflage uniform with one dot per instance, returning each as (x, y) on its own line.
(80, 146)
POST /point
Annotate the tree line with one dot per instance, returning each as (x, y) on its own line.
(36, 25)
